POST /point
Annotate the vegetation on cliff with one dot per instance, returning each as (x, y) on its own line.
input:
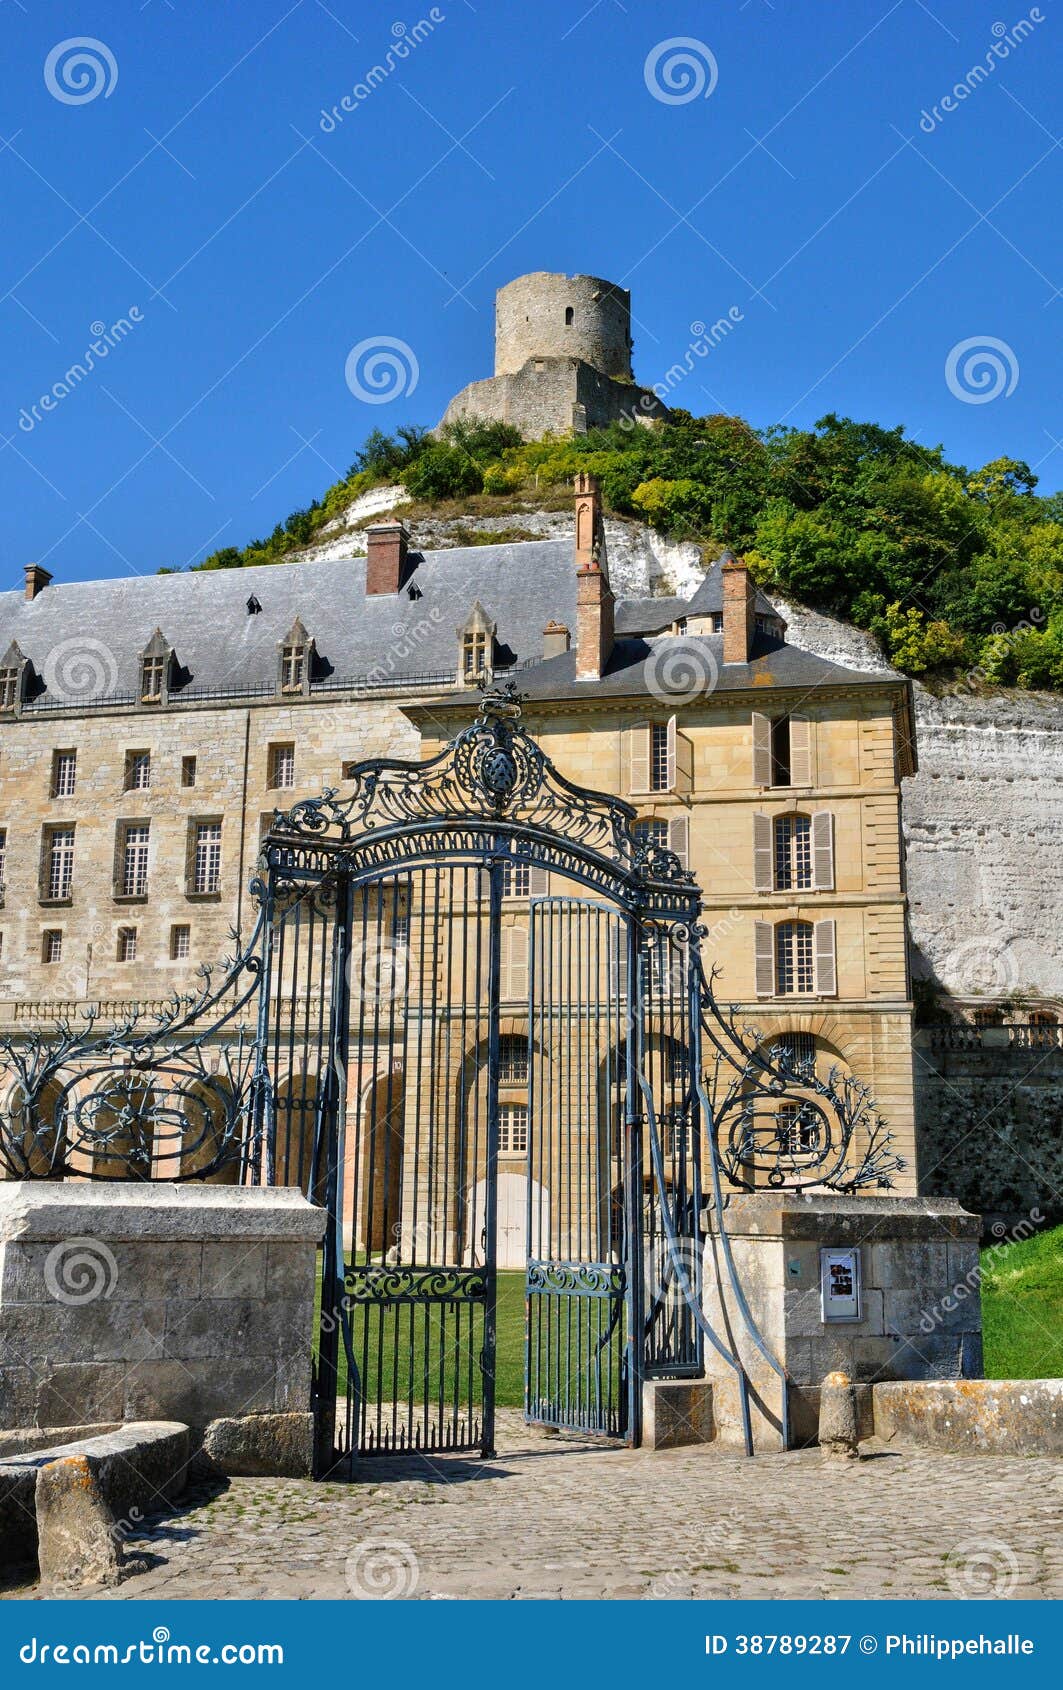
(956, 572)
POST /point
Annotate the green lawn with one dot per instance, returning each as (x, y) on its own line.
(1022, 1308)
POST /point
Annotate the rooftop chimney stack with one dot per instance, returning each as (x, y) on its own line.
(739, 609)
(387, 546)
(556, 639)
(36, 580)
(594, 599)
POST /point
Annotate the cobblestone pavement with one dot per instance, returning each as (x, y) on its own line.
(557, 1517)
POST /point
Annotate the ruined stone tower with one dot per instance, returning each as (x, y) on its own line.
(562, 359)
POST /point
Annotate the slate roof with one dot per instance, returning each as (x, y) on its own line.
(220, 647)
(637, 668)
(709, 595)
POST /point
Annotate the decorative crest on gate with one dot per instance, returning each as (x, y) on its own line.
(493, 771)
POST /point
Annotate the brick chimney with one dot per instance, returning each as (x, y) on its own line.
(387, 544)
(739, 609)
(594, 599)
(556, 639)
(36, 580)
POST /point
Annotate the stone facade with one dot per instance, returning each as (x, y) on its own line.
(562, 360)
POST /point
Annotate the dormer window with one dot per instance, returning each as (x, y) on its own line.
(477, 647)
(295, 653)
(12, 678)
(155, 664)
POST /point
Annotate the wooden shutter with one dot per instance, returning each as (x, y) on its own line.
(823, 851)
(761, 749)
(538, 883)
(638, 757)
(826, 971)
(800, 751)
(679, 838)
(680, 758)
(763, 868)
(618, 960)
(515, 964)
(479, 884)
(764, 958)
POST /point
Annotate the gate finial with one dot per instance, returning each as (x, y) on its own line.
(500, 700)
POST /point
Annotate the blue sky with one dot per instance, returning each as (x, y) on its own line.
(860, 240)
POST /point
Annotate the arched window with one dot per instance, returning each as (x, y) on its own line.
(794, 968)
(797, 1129)
(569, 316)
(793, 853)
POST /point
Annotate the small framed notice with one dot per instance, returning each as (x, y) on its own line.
(839, 1279)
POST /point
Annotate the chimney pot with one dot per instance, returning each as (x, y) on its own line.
(36, 580)
(387, 545)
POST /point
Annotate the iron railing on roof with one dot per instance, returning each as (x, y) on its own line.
(372, 683)
(1014, 1035)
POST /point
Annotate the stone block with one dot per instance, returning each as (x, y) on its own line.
(197, 1391)
(289, 1276)
(676, 1412)
(908, 1266)
(233, 1273)
(79, 1393)
(262, 1446)
(973, 1416)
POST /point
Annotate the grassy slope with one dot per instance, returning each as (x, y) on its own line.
(1022, 1308)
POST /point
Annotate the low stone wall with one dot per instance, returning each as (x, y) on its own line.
(973, 1416)
(154, 1302)
(912, 1252)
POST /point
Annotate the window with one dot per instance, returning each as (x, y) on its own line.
(797, 1129)
(293, 668)
(716, 621)
(796, 1052)
(474, 654)
(58, 862)
(137, 771)
(206, 857)
(516, 880)
(52, 945)
(282, 765)
(180, 943)
(512, 1060)
(658, 757)
(652, 831)
(188, 771)
(569, 316)
(133, 863)
(793, 853)
(513, 1128)
(8, 688)
(127, 944)
(152, 670)
(400, 929)
(64, 773)
(794, 971)
(782, 750)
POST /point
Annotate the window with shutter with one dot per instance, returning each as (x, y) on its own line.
(679, 838)
(638, 757)
(823, 851)
(764, 974)
(514, 959)
(793, 853)
(680, 759)
(539, 884)
(762, 867)
(826, 968)
(800, 751)
(761, 749)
